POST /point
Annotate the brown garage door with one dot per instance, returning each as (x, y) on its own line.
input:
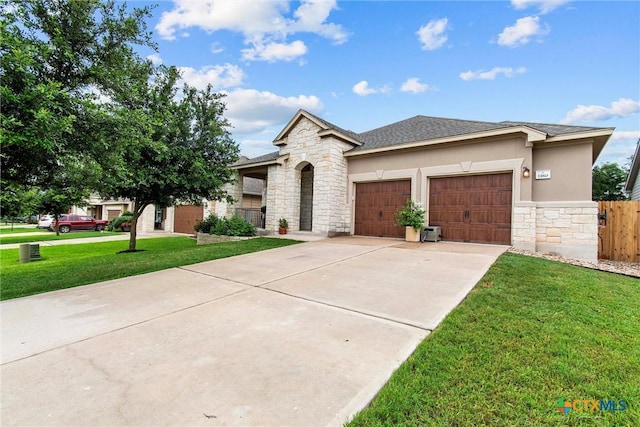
(186, 217)
(472, 208)
(376, 206)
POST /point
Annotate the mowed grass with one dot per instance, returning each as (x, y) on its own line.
(8, 230)
(531, 332)
(66, 266)
(6, 240)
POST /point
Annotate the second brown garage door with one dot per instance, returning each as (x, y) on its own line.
(186, 216)
(472, 208)
(376, 206)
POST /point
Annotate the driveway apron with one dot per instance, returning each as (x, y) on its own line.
(301, 335)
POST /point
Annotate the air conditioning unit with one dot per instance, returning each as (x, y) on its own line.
(431, 234)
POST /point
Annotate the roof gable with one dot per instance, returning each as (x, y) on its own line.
(326, 129)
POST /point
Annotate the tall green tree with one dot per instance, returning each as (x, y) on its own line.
(178, 147)
(19, 201)
(58, 57)
(608, 182)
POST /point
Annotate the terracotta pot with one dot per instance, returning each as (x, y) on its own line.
(282, 230)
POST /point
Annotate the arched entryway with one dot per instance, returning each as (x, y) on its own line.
(306, 197)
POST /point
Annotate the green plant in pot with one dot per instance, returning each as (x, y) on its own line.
(411, 216)
(282, 226)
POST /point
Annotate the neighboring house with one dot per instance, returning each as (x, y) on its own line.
(153, 218)
(175, 219)
(514, 183)
(633, 180)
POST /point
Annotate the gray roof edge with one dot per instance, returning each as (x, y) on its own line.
(633, 171)
(264, 158)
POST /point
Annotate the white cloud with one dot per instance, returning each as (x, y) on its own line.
(492, 74)
(432, 36)
(218, 76)
(216, 47)
(256, 147)
(588, 113)
(155, 59)
(362, 88)
(251, 111)
(311, 17)
(521, 32)
(620, 147)
(264, 24)
(625, 135)
(275, 51)
(544, 6)
(413, 85)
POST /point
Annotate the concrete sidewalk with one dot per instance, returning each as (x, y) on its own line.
(301, 335)
(97, 239)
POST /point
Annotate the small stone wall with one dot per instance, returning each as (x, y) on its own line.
(524, 226)
(207, 239)
(569, 229)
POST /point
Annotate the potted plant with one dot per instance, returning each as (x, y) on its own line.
(411, 216)
(283, 225)
(125, 226)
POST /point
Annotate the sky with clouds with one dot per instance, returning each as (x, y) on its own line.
(366, 64)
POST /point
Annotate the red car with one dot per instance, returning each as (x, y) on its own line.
(69, 222)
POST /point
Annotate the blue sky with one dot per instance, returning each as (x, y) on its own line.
(365, 64)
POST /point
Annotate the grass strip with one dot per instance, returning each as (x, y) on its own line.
(48, 237)
(530, 333)
(8, 230)
(66, 266)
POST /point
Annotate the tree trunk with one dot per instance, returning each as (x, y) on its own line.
(56, 226)
(137, 211)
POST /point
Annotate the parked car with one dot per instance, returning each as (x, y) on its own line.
(69, 222)
(45, 221)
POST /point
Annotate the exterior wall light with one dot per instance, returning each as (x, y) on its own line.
(526, 173)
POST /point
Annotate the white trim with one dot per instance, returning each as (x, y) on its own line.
(594, 133)
(336, 134)
(532, 135)
(277, 161)
(377, 176)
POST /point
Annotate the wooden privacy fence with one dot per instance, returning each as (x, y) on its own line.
(619, 230)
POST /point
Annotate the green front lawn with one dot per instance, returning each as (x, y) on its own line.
(8, 230)
(66, 266)
(532, 332)
(52, 236)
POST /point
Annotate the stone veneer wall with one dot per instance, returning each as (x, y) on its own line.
(523, 229)
(569, 229)
(330, 210)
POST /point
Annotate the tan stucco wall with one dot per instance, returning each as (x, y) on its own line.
(570, 167)
(451, 154)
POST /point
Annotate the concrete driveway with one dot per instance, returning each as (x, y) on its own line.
(302, 335)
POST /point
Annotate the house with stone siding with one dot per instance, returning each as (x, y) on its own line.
(510, 183)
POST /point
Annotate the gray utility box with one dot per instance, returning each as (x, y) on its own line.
(29, 252)
(431, 234)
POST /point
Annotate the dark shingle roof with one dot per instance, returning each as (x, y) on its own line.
(551, 129)
(421, 128)
(252, 185)
(425, 128)
(330, 125)
(264, 158)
